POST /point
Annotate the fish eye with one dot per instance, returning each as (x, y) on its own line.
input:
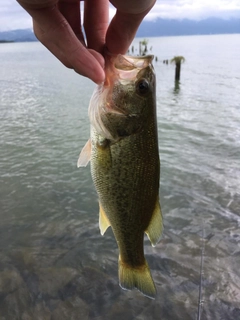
(142, 86)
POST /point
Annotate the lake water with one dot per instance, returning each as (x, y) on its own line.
(54, 264)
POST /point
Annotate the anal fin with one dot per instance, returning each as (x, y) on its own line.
(155, 227)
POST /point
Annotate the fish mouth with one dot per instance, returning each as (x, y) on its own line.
(120, 70)
(127, 63)
(124, 69)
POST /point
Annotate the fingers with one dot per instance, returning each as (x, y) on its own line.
(125, 23)
(121, 31)
(71, 12)
(40, 34)
(54, 31)
(57, 24)
(96, 19)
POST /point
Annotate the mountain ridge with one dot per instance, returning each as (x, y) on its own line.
(18, 35)
(154, 28)
(173, 27)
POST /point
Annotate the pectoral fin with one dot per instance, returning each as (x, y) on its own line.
(85, 155)
(103, 220)
(155, 228)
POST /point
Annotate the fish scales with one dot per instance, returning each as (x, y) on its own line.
(125, 164)
(126, 188)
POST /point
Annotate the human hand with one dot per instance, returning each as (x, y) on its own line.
(57, 24)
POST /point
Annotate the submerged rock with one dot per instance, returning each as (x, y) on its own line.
(73, 308)
(98, 290)
(16, 304)
(51, 280)
(41, 312)
(10, 280)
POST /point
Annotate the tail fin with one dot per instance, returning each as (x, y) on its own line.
(140, 278)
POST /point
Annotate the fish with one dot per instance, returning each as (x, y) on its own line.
(125, 164)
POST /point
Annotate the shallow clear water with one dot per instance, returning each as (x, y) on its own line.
(54, 264)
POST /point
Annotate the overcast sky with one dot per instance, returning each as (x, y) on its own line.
(12, 16)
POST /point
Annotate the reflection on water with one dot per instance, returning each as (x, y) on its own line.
(176, 87)
(54, 264)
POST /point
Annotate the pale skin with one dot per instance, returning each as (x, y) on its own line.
(57, 24)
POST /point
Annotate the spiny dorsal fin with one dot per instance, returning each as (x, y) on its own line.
(85, 155)
(103, 220)
(155, 227)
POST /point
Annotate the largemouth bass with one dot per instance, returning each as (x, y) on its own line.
(125, 166)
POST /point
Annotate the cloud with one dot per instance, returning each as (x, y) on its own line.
(13, 16)
(195, 10)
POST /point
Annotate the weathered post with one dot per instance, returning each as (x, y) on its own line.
(177, 60)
